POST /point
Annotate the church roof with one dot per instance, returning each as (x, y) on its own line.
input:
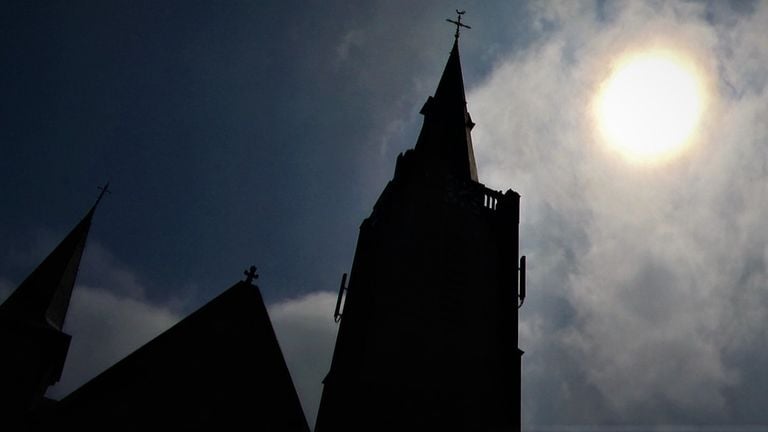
(219, 367)
(43, 297)
(445, 141)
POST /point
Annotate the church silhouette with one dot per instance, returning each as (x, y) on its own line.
(428, 320)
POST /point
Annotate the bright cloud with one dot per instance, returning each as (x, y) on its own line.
(305, 329)
(648, 284)
(106, 327)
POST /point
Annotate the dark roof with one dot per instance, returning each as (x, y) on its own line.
(219, 367)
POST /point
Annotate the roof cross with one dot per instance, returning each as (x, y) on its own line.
(458, 22)
(104, 189)
(250, 275)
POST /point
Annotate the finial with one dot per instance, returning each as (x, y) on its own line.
(104, 189)
(458, 23)
(250, 275)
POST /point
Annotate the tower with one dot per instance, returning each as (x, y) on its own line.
(33, 344)
(428, 328)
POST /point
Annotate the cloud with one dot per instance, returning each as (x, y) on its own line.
(648, 284)
(305, 329)
(100, 268)
(351, 39)
(106, 327)
(109, 317)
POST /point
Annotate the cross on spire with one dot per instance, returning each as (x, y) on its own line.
(104, 189)
(458, 23)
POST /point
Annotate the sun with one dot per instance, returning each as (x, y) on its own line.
(650, 106)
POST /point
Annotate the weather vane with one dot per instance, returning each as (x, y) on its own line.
(458, 22)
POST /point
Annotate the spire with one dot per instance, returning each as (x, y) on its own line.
(450, 90)
(43, 297)
(445, 140)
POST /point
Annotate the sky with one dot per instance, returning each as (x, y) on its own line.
(235, 133)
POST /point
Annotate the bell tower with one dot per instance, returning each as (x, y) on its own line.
(428, 319)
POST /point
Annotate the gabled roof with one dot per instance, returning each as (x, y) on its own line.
(219, 367)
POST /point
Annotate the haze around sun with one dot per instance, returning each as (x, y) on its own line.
(650, 106)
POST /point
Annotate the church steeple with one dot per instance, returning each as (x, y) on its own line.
(33, 344)
(445, 141)
(427, 334)
(43, 297)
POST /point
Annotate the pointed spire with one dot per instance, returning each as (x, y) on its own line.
(43, 297)
(445, 140)
(450, 90)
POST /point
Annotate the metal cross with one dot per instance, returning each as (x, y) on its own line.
(250, 275)
(458, 22)
(104, 189)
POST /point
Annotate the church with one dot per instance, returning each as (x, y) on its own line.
(428, 319)
(220, 368)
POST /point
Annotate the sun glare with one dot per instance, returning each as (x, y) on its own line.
(650, 106)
